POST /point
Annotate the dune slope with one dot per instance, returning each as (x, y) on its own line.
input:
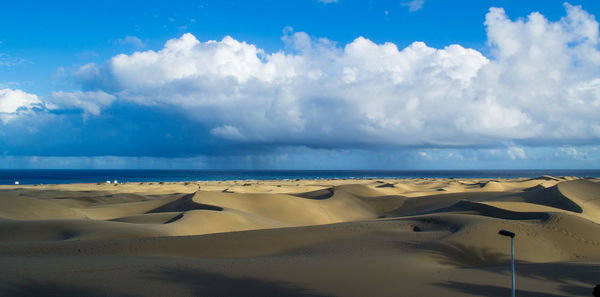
(416, 237)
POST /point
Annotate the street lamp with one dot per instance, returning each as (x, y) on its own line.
(512, 257)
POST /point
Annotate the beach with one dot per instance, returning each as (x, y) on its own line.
(299, 237)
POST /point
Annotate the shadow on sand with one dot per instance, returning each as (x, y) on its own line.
(571, 278)
(489, 290)
(461, 255)
(31, 288)
(203, 283)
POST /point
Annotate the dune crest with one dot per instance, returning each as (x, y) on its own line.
(413, 237)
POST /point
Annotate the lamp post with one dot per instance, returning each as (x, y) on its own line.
(512, 257)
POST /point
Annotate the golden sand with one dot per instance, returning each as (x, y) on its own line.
(376, 237)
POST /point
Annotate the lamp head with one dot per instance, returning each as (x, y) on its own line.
(506, 233)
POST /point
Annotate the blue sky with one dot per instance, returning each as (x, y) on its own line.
(302, 84)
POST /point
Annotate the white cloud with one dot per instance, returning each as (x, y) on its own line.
(90, 103)
(516, 153)
(16, 102)
(414, 5)
(131, 41)
(423, 155)
(9, 61)
(328, 1)
(570, 152)
(227, 132)
(9, 84)
(540, 85)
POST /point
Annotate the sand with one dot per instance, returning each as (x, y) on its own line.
(372, 237)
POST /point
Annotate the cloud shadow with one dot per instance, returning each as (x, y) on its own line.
(34, 288)
(203, 283)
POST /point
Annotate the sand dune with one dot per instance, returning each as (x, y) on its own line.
(416, 237)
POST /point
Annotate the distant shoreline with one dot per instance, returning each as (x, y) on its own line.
(69, 176)
(248, 182)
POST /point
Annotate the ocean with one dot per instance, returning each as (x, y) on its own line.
(63, 176)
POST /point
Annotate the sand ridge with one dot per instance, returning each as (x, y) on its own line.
(367, 237)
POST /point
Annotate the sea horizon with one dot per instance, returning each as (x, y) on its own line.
(68, 176)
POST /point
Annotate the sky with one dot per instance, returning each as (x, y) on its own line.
(300, 84)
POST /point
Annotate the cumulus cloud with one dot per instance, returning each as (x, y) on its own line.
(540, 85)
(90, 103)
(328, 1)
(16, 102)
